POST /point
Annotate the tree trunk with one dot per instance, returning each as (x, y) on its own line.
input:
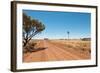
(25, 43)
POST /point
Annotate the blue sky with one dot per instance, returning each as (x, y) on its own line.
(58, 23)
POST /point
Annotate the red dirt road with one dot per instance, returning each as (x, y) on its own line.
(53, 52)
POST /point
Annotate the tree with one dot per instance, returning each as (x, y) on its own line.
(31, 27)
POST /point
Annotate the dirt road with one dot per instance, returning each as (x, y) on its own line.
(53, 52)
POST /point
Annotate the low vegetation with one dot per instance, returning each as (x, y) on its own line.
(79, 47)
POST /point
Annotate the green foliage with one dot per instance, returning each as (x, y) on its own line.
(31, 27)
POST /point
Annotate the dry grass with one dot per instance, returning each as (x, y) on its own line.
(57, 50)
(32, 46)
(78, 46)
(74, 43)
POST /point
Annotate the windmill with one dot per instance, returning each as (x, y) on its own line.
(68, 34)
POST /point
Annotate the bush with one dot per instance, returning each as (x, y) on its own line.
(29, 48)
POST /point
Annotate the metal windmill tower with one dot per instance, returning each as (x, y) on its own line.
(68, 34)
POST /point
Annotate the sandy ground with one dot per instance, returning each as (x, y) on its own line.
(56, 51)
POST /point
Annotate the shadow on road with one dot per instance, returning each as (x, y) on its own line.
(39, 49)
(32, 49)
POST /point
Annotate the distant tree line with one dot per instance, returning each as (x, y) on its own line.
(85, 39)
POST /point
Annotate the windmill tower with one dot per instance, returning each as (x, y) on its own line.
(68, 34)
